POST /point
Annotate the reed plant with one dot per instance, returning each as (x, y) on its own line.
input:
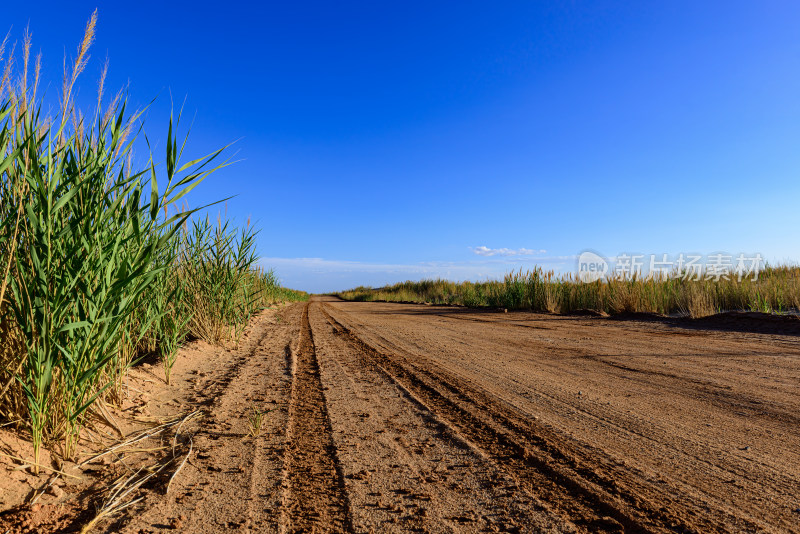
(776, 289)
(216, 264)
(98, 267)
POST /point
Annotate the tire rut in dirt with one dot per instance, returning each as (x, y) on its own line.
(314, 496)
(536, 465)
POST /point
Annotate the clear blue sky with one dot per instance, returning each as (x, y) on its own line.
(387, 141)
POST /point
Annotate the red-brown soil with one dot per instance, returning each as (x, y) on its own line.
(407, 418)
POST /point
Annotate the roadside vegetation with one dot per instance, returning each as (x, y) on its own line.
(776, 290)
(99, 264)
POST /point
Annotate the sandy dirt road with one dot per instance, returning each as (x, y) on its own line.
(409, 418)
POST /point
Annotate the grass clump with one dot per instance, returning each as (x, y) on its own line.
(777, 289)
(255, 419)
(98, 267)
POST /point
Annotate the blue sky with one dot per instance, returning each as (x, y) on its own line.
(388, 141)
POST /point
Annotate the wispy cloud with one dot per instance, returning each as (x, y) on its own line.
(486, 251)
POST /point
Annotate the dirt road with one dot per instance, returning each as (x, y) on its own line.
(409, 418)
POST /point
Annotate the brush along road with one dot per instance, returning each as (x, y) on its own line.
(410, 418)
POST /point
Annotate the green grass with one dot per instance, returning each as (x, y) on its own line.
(98, 266)
(777, 289)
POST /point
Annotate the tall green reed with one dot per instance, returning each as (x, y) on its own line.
(84, 246)
(217, 263)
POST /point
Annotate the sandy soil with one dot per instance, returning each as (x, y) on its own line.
(409, 418)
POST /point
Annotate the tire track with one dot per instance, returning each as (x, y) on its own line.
(675, 483)
(539, 467)
(232, 480)
(406, 468)
(314, 498)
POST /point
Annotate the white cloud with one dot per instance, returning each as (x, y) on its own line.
(486, 251)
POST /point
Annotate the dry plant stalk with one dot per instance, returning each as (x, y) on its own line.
(121, 494)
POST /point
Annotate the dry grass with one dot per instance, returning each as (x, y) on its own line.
(776, 290)
(123, 492)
